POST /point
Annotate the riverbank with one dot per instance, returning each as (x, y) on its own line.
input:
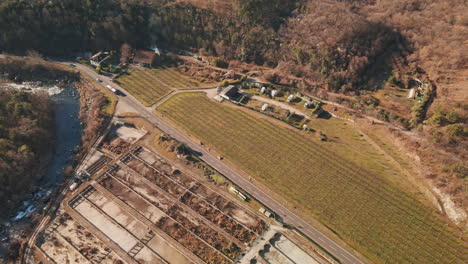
(78, 115)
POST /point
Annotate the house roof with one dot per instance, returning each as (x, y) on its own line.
(96, 56)
(144, 56)
(231, 90)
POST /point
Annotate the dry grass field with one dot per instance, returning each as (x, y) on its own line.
(171, 78)
(150, 85)
(364, 208)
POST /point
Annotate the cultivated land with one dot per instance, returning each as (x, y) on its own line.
(150, 85)
(138, 208)
(363, 208)
(173, 78)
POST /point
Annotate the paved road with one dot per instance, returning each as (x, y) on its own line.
(288, 217)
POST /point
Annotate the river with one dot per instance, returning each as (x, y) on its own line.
(67, 133)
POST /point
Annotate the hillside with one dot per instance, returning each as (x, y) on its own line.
(225, 7)
(26, 134)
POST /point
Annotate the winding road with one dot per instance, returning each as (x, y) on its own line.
(287, 216)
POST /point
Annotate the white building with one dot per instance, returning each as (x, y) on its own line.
(290, 98)
(264, 107)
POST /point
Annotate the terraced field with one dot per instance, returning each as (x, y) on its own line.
(150, 85)
(374, 216)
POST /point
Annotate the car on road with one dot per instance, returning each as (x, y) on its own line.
(111, 88)
(98, 80)
(72, 65)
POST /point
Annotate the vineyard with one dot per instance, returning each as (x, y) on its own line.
(364, 209)
(150, 85)
(173, 79)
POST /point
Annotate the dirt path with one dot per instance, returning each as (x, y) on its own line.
(280, 104)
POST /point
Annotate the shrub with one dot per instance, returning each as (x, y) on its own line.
(272, 77)
(455, 130)
(452, 117)
(219, 63)
(225, 83)
(437, 119)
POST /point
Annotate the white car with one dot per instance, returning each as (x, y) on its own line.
(111, 88)
(98, 80)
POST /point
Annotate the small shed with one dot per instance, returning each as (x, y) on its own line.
(265, 212)
(264, 107)
(274, 93)
(308, 104)
(263, 90)
(412, 93)
(290, 98)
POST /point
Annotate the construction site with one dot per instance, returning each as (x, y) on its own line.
(135, 206)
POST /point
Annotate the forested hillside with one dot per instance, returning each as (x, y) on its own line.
(58, 27)
(347, 45)
(26, 136)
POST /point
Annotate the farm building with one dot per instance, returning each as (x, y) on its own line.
(230, 92)
(99, 58)
(146, 58)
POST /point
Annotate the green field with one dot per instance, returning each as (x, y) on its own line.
(367, 211)
(150, 85)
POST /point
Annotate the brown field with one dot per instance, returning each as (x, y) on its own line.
(147, 211)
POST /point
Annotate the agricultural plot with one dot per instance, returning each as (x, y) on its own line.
(173, 79)
(144, 86)
(156, 213)
(191, 193)
(150, 85)
(189, 234)
(68, 242)
(365, 209)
